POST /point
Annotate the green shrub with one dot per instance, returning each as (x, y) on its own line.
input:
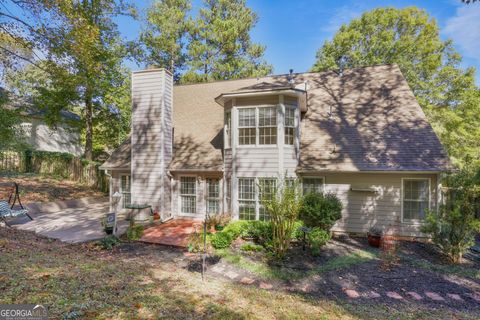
(109, 242)
(251, 247)
(221, 240)
(454, 227)
(297, 233)
(283, 207)
(260, 231)
(196, 241)
(134, 232)
(317, 239)
(236, 228)
(320, 210)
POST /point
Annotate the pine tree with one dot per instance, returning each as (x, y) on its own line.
(220, 46)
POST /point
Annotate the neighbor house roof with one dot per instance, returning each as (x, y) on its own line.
(364, 119)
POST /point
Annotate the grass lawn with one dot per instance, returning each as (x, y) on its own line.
(138, 281)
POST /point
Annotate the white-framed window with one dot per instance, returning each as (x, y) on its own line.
(257, 125)
(26, 129)
(246, 198)
(188, 194)
(125, 190)
(268, 187)
(228, 129)
(415, 198)
(247, 128)
(213, 196)
(310, 185)
(289, 125)
(229, 194)
(267, 125)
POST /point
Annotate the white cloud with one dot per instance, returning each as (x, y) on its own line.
(464, 29)
(343, 15)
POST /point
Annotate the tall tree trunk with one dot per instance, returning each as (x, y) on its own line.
(88, 124)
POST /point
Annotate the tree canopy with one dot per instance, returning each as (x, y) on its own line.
(410, 38)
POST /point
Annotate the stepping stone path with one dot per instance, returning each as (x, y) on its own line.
(434, 296)
(231, 274)
(415, 295)
(265, 285)
(454, 296)
(394, 295)
(246, 280)
(371, 295)
(352, 293)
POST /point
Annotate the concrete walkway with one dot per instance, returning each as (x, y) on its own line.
(79, 222)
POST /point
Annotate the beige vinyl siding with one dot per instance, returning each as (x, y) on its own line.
(256, 161)
(290, 160)
(255, 101)
(151, 138)
(228, 162)
(363, 209)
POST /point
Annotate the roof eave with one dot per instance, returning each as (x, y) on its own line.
(224, 97)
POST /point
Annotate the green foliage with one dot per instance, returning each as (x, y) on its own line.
(164, 37)
(321, 210)
(109, 242)
(134, 232)
(221, 240)
(220, 46)
(410, 38)
(453, 229)
(11, 137)
(283, 207)
(317, 239)
(196, 241)
(251, 247)
(260, 231)
(236, 228)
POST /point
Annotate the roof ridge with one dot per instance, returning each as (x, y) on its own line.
(284, 74)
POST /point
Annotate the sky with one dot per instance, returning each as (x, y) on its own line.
(293, 30)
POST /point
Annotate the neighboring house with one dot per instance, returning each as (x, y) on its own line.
(207, 147)
(65, 137)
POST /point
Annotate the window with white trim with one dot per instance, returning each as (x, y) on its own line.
(247, 130)
(229, 194)
(416, 198)
(289, 125)
(228, 129)
(213, 196)
(125, 190)
(188, 194)
(310, 185)
(246, 199)
(267, 125)
(267, 187)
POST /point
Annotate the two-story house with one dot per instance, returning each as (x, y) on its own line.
(208, 147)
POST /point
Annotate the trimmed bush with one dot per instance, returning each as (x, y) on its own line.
(260, 231)
(251, 247)
(318, 238)
(221, 240)
(109, 242)
(320, 210)
(236, 228)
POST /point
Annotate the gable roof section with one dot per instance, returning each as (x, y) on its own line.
(366, 119)
(120, 157)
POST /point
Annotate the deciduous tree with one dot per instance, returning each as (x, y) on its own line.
(410, 38)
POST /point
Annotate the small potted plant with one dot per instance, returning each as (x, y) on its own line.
(375, 236)
(156, 216)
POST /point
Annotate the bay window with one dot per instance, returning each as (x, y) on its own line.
(213, 196)
(267, 125)
(246, 199)
(247, 131)
(268, 187)
(188, 194)
(289, 125)
(415, 198)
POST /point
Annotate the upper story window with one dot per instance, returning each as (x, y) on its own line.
(261, 122)
(289, 125)
(247, 132)
(228, 129)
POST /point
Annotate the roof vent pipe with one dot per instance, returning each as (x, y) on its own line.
(290, 77)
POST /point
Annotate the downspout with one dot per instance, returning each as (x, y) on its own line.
(169, 175)
(109, 190)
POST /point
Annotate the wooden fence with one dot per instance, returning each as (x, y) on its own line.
(60, 165)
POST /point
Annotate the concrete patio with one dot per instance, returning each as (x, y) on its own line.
(72, 222)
